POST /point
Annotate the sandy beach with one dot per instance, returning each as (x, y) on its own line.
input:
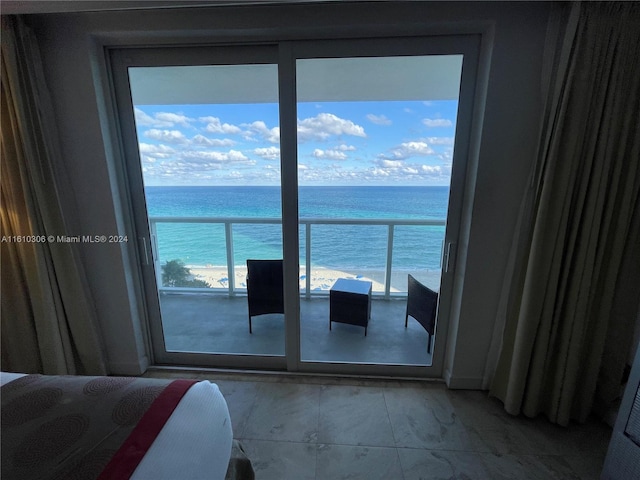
(321, 278)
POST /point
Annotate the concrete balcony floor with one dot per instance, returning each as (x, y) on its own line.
(213, 323)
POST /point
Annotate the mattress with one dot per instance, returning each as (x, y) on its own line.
(195, 442)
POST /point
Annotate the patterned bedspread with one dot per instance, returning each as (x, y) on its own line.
(70, 427)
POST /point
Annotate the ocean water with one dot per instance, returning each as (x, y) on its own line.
(342, 247)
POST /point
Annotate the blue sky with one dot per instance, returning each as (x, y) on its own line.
(339, 143)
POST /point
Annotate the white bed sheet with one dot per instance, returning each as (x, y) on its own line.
(6, 377)
(194, 444)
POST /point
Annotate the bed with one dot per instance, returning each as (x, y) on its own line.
(108, 428)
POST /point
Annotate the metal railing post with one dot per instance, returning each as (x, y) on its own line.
(231, 268)
(308, 259)
(389, 265)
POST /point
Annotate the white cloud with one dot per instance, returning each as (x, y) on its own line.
(212, 142)
(378, 119)
(161, 119)
(156, 151)
(410, 149)
(398, 171)
(269, 153)
(143, 119)
(219, 157)
(346, 148)
(439, 140)
(391, 163)
(437, 122)
(323, 125)
(169, 136)
(232, 153)
(329, 154)
(431, 170)
(180, 171)
(380, 172)
(214, 125)
(171, 119)
(271, 135)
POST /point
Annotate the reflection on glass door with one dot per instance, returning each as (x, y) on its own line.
(208, 139)
(375, 154)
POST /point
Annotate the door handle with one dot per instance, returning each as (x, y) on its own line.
(449, 258)
(153, 241)
(148, 250)
(144, 250)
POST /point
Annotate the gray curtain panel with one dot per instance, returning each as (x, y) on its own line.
(579, 230)
(48, 318)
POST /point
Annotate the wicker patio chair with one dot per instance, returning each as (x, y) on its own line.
(422, 303)
(264, 287)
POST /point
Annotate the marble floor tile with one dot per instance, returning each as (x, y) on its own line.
(476, 408)
(492, 429)
(500, 439)
(284, 411)
(347, 462)
(281, 460)
(545, 438)
(418, 464)
(354, 416)
(425, 418)
(530, 467)
(587, 467)
(348, 428)
(591, 439)
(240, 397)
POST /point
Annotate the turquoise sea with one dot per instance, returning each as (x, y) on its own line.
(346, 247)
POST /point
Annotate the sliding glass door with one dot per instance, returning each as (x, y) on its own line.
(383, 128)
(375, 151)
(208, 158)
(343, 161)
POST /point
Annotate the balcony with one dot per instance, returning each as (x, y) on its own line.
(214, 320)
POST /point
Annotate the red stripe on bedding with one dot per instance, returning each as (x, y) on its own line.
(126, 459)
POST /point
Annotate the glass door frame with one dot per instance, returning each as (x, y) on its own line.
(467, 45)
(121, 59)
(284, 54)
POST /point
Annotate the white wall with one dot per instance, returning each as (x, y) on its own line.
(511, 120)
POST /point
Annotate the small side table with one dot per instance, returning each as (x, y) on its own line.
(350, 302)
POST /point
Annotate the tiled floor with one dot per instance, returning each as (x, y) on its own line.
(324, 428)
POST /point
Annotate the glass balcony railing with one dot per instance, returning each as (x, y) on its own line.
(382, 253)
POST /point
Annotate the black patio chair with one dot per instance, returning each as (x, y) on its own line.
(264, 287)
(422, 303)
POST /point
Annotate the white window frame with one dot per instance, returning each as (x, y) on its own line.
(470, 41)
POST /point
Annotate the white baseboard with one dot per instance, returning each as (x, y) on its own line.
(446, 375)
(462, 383)
(129, 368)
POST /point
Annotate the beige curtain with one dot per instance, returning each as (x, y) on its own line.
(48, 318)
(574, 281)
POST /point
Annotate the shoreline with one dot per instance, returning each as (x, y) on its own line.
(321, 278)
